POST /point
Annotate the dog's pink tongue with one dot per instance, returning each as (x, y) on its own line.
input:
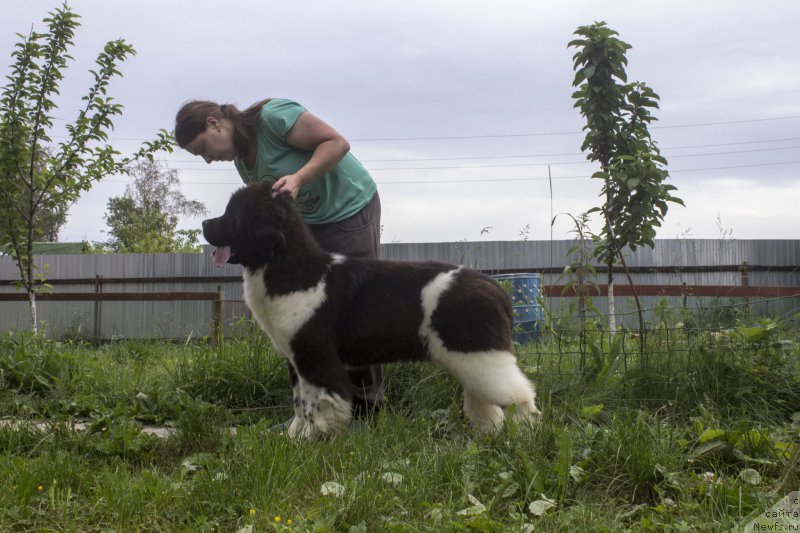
(221, 255)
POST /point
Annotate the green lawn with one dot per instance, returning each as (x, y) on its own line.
(698, 438)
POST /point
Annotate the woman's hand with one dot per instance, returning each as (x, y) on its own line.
(327, 148)
(289, 184)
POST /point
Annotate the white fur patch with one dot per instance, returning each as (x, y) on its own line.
(317, 411)
(491, 379)
(430, 299)
(281, 316)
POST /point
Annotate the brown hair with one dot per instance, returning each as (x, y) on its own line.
(191, 122)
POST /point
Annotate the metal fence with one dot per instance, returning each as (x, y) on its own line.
(688, 266)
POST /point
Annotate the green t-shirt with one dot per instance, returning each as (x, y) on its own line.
(339, 194)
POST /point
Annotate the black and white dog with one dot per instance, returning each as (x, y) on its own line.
(326, 313)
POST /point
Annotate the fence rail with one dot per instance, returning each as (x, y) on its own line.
(689, 274)
(216, 298)
(706, 291)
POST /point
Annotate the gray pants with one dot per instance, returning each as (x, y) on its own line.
(357, 236)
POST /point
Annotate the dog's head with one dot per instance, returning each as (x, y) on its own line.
(252, 229)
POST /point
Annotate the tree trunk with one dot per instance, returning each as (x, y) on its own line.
(612, 319)
(34, 318)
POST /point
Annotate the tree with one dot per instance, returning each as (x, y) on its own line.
(632, 169)
(36, 177)
(145, 219)
(50, 217)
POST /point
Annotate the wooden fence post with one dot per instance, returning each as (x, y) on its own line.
(216, 317)
(746, 283)
(98, 288)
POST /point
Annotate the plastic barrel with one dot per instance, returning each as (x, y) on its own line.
(524, 290)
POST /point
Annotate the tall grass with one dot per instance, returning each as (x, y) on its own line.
(698, 439)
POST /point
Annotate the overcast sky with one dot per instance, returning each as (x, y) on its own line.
(458, 107)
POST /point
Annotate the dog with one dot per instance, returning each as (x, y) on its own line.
(326, 313)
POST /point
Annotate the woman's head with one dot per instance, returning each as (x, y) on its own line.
(216, 132)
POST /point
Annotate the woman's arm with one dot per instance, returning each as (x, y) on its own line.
(313, 135)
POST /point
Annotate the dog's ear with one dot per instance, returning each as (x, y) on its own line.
(269, 240)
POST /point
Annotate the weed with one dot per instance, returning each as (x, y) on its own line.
(28, 362)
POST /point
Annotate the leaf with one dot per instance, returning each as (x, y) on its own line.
(392, 478)
(711, 449)
(711, 434)
(576, 473)
(753, 334)
(196, 462)
(332, 488)
(750, 476)
(359, 528)
(476, 509)
(590, 411)
(541, 506)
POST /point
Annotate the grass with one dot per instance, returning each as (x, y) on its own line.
(697, 438)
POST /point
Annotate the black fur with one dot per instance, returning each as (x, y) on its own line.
(372, 311)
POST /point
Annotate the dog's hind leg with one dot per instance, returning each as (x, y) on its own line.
(492, 381)
(483, 416)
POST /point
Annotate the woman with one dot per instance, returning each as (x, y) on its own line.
(280, 142)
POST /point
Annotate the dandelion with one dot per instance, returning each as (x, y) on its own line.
(252, 512)
(277, 519)
(289, 521)
(40, 488)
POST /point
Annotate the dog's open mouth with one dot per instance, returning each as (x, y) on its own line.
(221, 255)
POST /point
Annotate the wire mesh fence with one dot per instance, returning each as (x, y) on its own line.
(669, 330)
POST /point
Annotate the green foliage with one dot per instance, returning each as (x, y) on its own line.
(240, 374)
(37, 177)
(633, 171)
(117, 436)
(49, 218)
(599, 63)
(578, 276)
(606, 357)
(600, 459)
(28, 362)
(617, 114)
(145, 219)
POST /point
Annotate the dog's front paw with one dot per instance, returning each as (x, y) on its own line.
(299, 428)
(331, 414)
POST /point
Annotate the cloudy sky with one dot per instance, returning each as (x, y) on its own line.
(462, 109)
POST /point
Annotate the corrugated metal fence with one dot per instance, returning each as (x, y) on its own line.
(694, 262)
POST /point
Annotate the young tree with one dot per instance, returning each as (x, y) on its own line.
(49, 218)
(145, 219)
(632, 169)
(36, 177)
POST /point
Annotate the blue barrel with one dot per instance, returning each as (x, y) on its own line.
(524, 290)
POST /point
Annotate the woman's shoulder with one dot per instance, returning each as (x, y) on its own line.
(273, 105)
(278, 115)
